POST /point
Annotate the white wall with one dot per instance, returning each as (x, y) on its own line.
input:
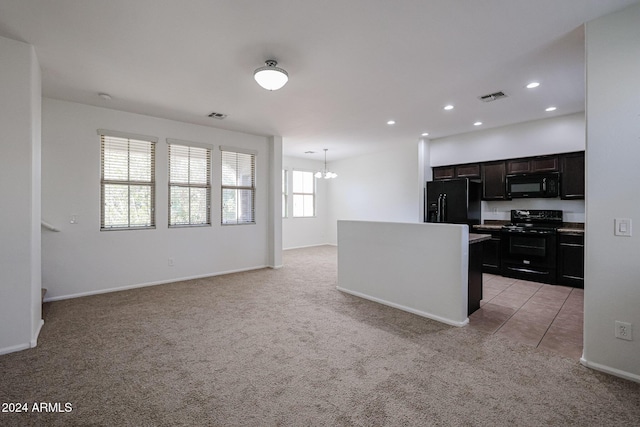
(302, 232)
(549, 136)
(20, 279)
(561, 134)
(420, 268)
(81, 259)
(612, 276)
(381, 186)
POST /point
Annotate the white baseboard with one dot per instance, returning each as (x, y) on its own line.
(34, 339)
(144, 285)
(405, 308)
(15, 348)
(307, 246)
(25, 346)
(609, 370)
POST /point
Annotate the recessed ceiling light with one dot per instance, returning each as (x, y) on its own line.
(105, 96)
(425, 134)
(550, 109)
(477, 124)
(448, 107)
(391, 122)
(533, 85)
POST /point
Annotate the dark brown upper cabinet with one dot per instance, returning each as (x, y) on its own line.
(533, 165)
(518, 166)
(470, 170)
(544, 164)
(572, 185)
(493, 180)
(444, 172)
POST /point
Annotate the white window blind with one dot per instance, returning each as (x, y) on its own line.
(189, 185)
(127, 183)
(304, 194)
(238, 187)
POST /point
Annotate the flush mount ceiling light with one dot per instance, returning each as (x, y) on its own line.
(105, 96)
(391, 122)
(477, 124)
(271, 77)
(325, 173)
(533, 85)
(425, 133)
(448, 107)
(550, 109)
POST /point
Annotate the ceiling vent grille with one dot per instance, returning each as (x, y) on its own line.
(492, 96)
(218, 116)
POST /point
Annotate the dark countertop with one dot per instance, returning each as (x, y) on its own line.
(567, 227)
(488, 227)
(477, 238)
(571, 230)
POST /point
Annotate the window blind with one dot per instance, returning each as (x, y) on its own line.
(189, 185)
(238, 187)
(127, 183)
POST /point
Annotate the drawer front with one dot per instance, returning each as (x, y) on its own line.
(571, 239)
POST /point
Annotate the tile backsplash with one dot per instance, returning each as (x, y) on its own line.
(573, 210)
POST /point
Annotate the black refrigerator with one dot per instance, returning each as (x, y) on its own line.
(455, 201)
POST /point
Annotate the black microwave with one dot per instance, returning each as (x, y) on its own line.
(532, 185)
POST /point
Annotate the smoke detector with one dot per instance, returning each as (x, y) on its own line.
(218, 116)
(492, 96)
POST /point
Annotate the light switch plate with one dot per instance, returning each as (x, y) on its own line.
(622, 227)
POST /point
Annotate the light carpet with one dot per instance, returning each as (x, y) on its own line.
(284, 347)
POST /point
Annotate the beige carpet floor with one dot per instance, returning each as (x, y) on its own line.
(284, 347)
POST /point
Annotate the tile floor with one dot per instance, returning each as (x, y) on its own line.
(536, 314)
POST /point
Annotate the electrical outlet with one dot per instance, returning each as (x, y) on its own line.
(624, 331)
(170, 262)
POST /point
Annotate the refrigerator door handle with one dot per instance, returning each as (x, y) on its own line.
(443, 208)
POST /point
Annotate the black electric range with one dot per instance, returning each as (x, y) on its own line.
(529, 245)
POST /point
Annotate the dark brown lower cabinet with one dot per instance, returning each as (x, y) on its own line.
(491, 254)
(571, 260)
(474, 295)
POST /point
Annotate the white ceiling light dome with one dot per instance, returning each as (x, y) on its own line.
(270, 76)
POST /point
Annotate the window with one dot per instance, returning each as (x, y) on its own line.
(189, 184)
(284, 193)
(304, 194)
(127, 171)
(238, 186)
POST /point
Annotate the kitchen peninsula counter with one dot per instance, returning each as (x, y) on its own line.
(422, 268)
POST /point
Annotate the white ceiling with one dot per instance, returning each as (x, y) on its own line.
(353, 64)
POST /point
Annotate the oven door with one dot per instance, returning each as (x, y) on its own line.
(529, 256)
(527, 245)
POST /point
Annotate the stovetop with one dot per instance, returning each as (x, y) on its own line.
(534, 221)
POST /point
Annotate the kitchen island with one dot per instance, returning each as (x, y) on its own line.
(422, 268)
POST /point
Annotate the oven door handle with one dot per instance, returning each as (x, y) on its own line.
(544, 185)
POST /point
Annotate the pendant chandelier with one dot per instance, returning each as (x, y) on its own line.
(325, 173)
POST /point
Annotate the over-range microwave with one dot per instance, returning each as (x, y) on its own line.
(532, 185)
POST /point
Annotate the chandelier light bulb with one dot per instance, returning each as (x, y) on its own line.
(270, 76)
(325, 173)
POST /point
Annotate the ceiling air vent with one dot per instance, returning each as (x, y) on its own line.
(218, 116)
(492, 96)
